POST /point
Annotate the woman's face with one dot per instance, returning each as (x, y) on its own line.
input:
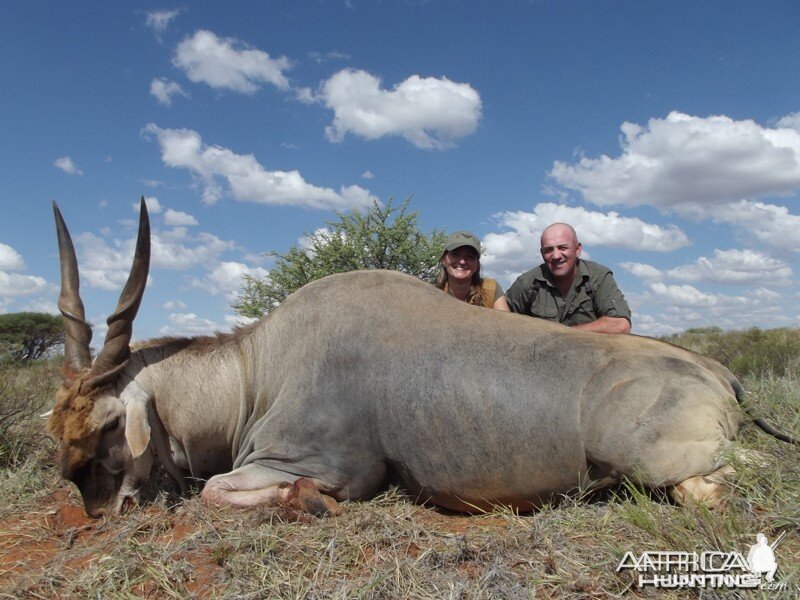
(461, 263)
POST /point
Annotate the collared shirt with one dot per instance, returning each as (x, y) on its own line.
(578, 306)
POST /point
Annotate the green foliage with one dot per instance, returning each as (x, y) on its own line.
(27, 336)
(381, 238)
(748, 353)
(713, 330)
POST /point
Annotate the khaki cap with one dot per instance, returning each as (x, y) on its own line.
(462, 238)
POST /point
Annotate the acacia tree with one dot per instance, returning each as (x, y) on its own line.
(28, 335)
(381, 238)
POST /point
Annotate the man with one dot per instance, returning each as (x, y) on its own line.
(568, 289)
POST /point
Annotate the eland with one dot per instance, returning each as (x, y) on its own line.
(362, 374)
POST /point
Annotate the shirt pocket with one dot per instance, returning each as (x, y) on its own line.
(582, 311)
(545, 307)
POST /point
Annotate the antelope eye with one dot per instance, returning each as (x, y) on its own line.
(111, 425)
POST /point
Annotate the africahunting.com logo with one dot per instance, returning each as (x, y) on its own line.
(710, 569)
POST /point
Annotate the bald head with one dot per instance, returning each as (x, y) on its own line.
(560, 251)
(560, 230)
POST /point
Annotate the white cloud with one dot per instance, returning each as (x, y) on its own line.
(106, 264)
(768, 224)
(305, 95)
(159, 20)
(320, 57)
(99, 325)
(735, 267)
(644, 324)
(165, 90)
(234, 321)
(229, 64)
(248, 181)
(428, 112)
(176, 218)
(102, 265)
(766, 295)
(791, 121)
(682, 306)
(254, 258)
(227, 278)
(10, 259)
(512, 252)
(173, 304)
(684, 295)
(643, 271)
(688, 162)
(153, 205)
(41, 305)
(189, 324)
(367, 175)
(16, 285)
(178, 251)
(65, 164)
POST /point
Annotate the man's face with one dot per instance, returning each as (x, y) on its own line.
(560, 251)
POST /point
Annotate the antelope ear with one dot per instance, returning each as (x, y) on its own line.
(137, 428)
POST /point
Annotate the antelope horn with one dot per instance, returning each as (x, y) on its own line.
(116, 348)
(77, 332)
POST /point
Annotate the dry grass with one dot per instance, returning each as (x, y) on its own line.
(387, 547)
(25, 391)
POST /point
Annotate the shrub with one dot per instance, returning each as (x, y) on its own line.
(748, 353)
(384, 237)
(25, 392)
(27, 336)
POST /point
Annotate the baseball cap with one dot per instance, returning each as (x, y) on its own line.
(462, 238)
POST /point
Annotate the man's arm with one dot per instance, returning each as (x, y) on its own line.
(606, 325)
(611, 303)
(601, 325)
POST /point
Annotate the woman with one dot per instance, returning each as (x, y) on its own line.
(460, 271)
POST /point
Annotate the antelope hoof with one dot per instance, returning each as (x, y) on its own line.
(710, 490)
(304, 496)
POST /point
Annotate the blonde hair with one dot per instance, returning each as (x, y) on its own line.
(474, 295)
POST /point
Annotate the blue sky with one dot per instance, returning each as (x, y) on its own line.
(667, 133)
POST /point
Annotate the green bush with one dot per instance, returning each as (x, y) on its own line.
(28, 336)
(383, 237)
(748, 353)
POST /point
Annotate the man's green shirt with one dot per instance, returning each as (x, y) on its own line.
(593, 294)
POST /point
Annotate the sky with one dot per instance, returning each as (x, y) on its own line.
(666, 133)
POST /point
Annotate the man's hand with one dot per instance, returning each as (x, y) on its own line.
(606, 325)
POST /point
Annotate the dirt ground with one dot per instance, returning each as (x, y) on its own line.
(57, 537)
(383, 548)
